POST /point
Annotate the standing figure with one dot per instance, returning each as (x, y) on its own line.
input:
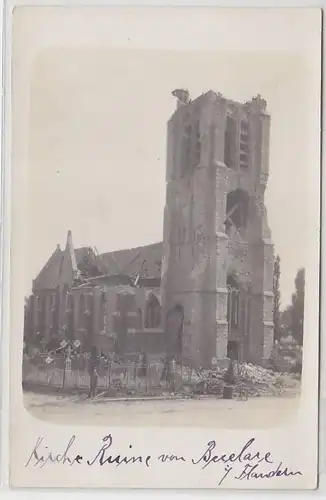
(142, 370)
(93, 364)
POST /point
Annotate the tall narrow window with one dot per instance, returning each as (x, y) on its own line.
(233, 309)
(81, 311)
(70, 316)
(140, 318)
(38, 313)
(69, 302)
(89, 315)
(55, 311)
(32, 316)
(45, 313)
(152, 313)
(244, 144)
(174, 328)
(102, 313)
(230, 143)
(41, 320)
(64, 302)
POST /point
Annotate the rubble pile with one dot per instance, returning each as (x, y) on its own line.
(263, 382)
(256, 374)
(210, 382)
(252, 379)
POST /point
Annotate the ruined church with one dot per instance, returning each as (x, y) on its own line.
(205, 293)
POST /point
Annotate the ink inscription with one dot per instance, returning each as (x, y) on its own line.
(247, 463)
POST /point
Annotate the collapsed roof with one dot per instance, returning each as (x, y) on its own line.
(85, 263)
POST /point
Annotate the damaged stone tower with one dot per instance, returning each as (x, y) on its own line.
(217, 269)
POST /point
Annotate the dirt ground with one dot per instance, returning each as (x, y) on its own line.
(259, 412)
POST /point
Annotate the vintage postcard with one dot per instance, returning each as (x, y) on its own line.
(165, 206)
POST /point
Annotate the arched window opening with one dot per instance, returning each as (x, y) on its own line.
(89, 315)
(233, 304)
(140, 318)
(41, 319)
(236, 210)
(45, 313)
(102, 313)
(230, 142)
(52, 309)
(81, 311)
(53, 301)
(64, 302)
(64, 299)
(152, 313)
(174, 328)
(55, 305)
(69, 302)
(70, 315)
(38, 311)
(244, 144)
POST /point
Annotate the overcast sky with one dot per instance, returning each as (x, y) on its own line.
(97, 143)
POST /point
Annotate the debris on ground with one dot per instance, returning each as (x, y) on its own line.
(245, 379)
(251, 380)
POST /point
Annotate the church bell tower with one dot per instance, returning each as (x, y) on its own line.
(217, 249)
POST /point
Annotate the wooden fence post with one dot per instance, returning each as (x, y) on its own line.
(110, 367)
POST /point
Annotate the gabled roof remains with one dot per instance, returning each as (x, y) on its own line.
(144, 261)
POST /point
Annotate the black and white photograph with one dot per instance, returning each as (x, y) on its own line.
(167, 238)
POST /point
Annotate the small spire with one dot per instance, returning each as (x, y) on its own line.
(71, 252)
